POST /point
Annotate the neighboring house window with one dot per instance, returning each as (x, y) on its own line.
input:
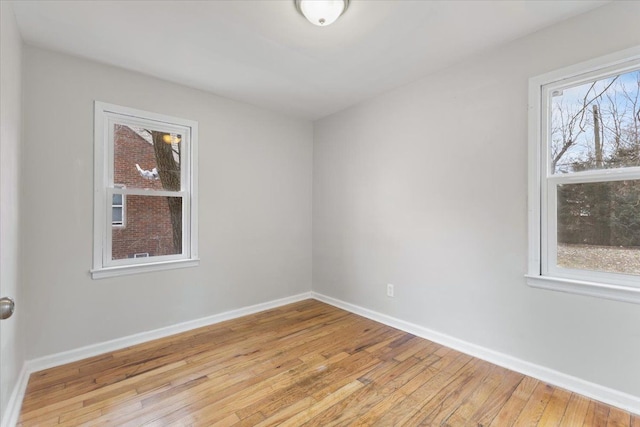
(145, 178)
(118, 204)
(584, 180)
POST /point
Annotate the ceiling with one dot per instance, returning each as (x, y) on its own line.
(264, 53)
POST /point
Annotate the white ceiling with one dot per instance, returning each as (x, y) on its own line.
(264, 53)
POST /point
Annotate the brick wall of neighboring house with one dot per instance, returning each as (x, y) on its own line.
(147, 221)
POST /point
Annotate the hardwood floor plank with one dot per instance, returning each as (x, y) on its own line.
(463, 413)
(536, 405)
(274, 402)
(240, 392)
(287, 412)
(391, 402)
(427, 390)
(304, 364)
(423, 347)
(382, 381)
(62, 403)
(510, 411)
(618, 418)
(226, 422)
(250, 421)
(486, 414)
(450, 397)
(81, 416)
(321, 405)
(576, 411)
(49, 411)
(340, 412)
(555, 409)
(597, 414)
(339, 374)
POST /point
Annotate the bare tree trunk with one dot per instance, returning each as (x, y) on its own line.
(596, 136)
(169, 172)
(602, 196)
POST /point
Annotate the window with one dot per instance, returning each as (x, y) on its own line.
(584, 178)
(145, 212)
(118, 204)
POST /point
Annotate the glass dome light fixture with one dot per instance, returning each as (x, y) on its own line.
(321, 12)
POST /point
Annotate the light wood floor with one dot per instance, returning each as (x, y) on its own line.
(303, 364)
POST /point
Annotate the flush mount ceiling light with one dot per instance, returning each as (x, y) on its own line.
(321, 12)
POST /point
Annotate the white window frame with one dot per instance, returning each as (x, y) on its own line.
(105, 116)
(542, 273)
(124, 209)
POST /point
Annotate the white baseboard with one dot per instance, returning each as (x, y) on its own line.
(598, 392)
(10, 418)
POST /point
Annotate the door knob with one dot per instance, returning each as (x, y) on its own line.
(7, 306)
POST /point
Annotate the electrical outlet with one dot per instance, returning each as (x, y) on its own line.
(390, 290)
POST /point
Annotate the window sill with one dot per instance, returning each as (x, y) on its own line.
(593, 289)
(125, 270)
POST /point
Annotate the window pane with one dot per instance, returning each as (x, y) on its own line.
(146, 158)
(599, 226)
(117, 199)
(154, 226)
(117, 215)
(596, 125)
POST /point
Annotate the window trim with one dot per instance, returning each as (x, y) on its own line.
(104, 188)
(123, 206)
(537, 276)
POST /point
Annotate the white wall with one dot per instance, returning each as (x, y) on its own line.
(254, 207)
(425, 187)
(11, 330)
